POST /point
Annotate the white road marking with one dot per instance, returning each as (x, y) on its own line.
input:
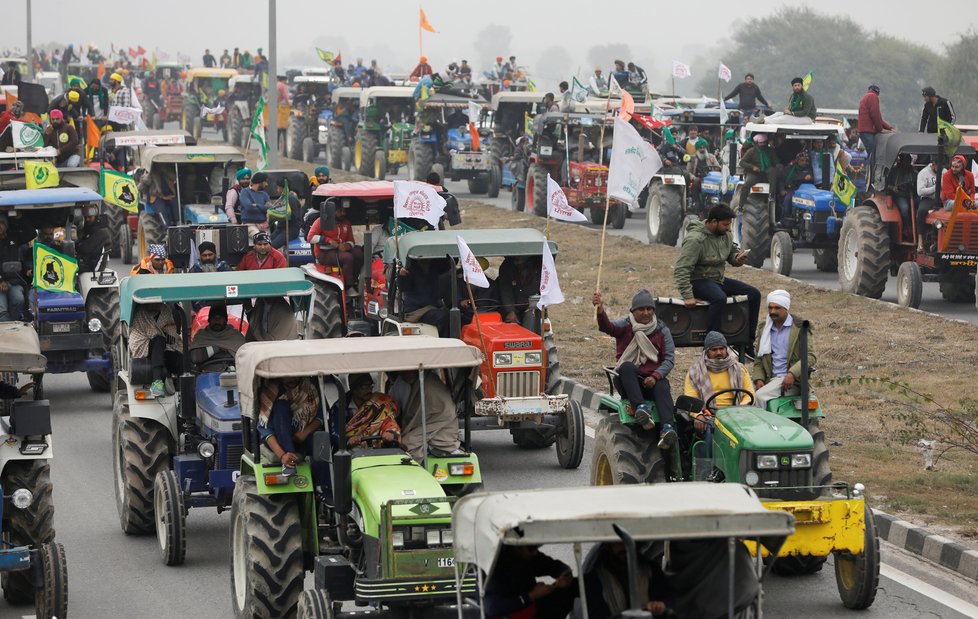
(930, 591)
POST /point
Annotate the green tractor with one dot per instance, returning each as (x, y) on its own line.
(778, 451)
(384, 130)
(374, 525)
(310, 100)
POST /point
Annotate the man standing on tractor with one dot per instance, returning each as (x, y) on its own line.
(263, 255)
(225, 60)
(699, 272)
(715, 371)
(232, 200)
(119, 96)
(98, 99)
(749, 94)
(422, 69)
(598, 85)
(645, 354)
(870, 122)
(934, 107)
(209, 61)
(760, 164)
(254, 204)
(778, 363)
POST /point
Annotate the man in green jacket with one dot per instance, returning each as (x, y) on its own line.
(801, 104)
(778, 363)
(699, 272)
(760, 165)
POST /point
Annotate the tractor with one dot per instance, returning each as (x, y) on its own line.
(312, 97)
(442, 142)
(343, 119)
(875, 240)
(32, 564)
(182, 449)
(511, 111)
(778, 451)
(169, 76)
(567, 146)
(244, 91)
(384, 130)
(206, 88)
(372, 525)
(521, 372)
(78, 324)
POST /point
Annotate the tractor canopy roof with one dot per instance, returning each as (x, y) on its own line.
(483, 523)
(231, 287)
(441, 100)
(151, 137)
(242, 79)
(313, 79)
(483, 243)
(347, 92)
(353, 355)
(365, 190)
(507, 96)
(208, 72)
(20, 349)
(579, 119)
(67, 178)
(839, 113)
(364, 201)
(221, 153)
(53, 197)
(385, 92)
(889, 145)
(45, 152)
(799, 132)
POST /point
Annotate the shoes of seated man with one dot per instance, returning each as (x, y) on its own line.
(644, 416)
(158, 388)
(288, 470)
(667, 436)
(438, 453)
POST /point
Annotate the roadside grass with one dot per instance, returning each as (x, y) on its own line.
(854, 337)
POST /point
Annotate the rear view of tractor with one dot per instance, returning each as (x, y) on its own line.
(312, 97)
(510, 112)
(244, 91)
(442, 143)
(345, 108)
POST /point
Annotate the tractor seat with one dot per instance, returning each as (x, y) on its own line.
(612, 373)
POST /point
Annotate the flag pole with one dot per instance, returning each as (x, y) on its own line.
(478, 327)
(604, 234)
(607, 106)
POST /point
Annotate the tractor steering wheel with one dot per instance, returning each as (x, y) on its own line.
(706, 405)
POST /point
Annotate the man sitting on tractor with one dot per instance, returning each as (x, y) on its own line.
(957, 176)
(371, 414)
(926, 190)
(93, 240)
(155, 262)
(760, 164)
(216, 340)
(154, 337)
(62, 136)
(645, 354)
(702, 162)
(900, 184)
(440, 419)
(699, 272)
(420, 292)
(337, 247)
(519, 278)
(715, 371)
(12, 392)
(289, 412)
(209, 262)
(232, 201)
(513, 590)
(262, 256)
(792, 176)
(11, 289)
(778, 363)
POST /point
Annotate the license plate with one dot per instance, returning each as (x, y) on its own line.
(446, 561)
(61, 327)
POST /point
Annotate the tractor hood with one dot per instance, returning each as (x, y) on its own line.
(382, 478)
(756, 429)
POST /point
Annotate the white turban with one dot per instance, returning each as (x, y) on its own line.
(780, 297)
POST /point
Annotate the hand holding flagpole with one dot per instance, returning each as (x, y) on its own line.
(473, 274)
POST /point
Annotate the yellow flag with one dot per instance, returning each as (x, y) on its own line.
(41, 174)
(527, 124)
(120, 190)
(951, 135)
(53, 270)
(806, 82)
(842, 187)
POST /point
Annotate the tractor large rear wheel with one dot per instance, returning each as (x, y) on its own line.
(326, 318)
(858, 576)
(864, 253)
(664, 215)
(294, 135)
(366, 149)
(103, 304)
(266, 553)
(756, 231)
(420, 159)
(237, 127)
(495, 178)
(149, 230)
(140, 450)
(32, 526)
(536, 190)
(51, 598)
(315, 604)
(625, 455)
(334, 146)
(957, 287)
(115, 217)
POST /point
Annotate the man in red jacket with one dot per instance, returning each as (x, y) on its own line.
(871, 120)
(645, 353)
(957, 176)
(263, 255)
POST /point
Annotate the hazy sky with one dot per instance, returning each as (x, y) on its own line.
(388, 29)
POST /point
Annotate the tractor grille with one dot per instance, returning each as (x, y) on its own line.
(233, 456)
(964, 237)
(518, 384)
(60, 328)
(775, 483)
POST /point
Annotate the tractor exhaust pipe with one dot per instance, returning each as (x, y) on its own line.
(805, 386)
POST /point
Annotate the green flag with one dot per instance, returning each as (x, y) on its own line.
(842, 187)
(667, 134)
(26, 135)
(258, 133)
(951, 135)
(325, 56)
(806, 81)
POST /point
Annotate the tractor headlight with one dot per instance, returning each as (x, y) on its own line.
(502, 359)
(446, 537)
(532, 358)
(767, 461)
(22, 498)
(322, 127)
(205, 449)
(397, 539)
(801, 461)
(433, 537)
(751, 478)
(94, 325)
(461, 469)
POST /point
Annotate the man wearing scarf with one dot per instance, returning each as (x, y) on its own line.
(153, 335)
(760, 164)
(155, 262)
(371, 414)
(216, 338)
(645, 355)
(778, 364)
(288, 413)
(715, 371)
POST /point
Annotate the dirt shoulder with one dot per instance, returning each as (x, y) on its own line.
(854, 336)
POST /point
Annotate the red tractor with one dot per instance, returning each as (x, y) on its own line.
(567, 146)
(876, 241)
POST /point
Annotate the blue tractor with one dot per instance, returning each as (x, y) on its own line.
(181, 449)
(443, 143)
(815, 222)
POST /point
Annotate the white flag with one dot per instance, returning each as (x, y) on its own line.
(578, 91)
(614, 88)
(471, 268)
(550, 293)
(124, 115)
(725, 73)
(557, 206)
(475, 110)
(258, 133)
(723, 113)
(26, 135)
(633, 163)
(216, 111)
(417, 200)
(681, 70)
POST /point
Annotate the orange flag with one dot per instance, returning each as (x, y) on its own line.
(424, 23)
(962, 202)
(101, 70)
(475, 136)
(92, 135)
(627, 106)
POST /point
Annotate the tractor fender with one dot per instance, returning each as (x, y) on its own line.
(14, 455)
(886, 207)
(87, 283)
(161, 410)
(313, 273)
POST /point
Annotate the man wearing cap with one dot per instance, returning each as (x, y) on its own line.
(262, 256)
(209, 262)
(645, 354)
(760, 165)
(155, 263)
(422, 69)
(934, 107)
(232, 202)
(216, 338)
(778, 363)
(93, 240)
(254, 204)
(699, 165)
(63, 137)
(870, 122)
(717, 370)
(119, 96)
(699, 272)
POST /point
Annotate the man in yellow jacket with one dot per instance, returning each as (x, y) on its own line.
(715, 371)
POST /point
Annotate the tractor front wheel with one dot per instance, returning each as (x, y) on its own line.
(102, 304)
(956, 287)
(625, 455)
(570, 436)
(366, 149)
(664, 215)
(826, 259)
(479, 184)
(266, 552)
(782, 253)
(910, 285)
(141, 450)
(858, 576)
(171, 518)
(756, 231)
(315, 604)
(536, 190)
(380, 165)
(32, 526)
(51, 598)
(308, 149)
